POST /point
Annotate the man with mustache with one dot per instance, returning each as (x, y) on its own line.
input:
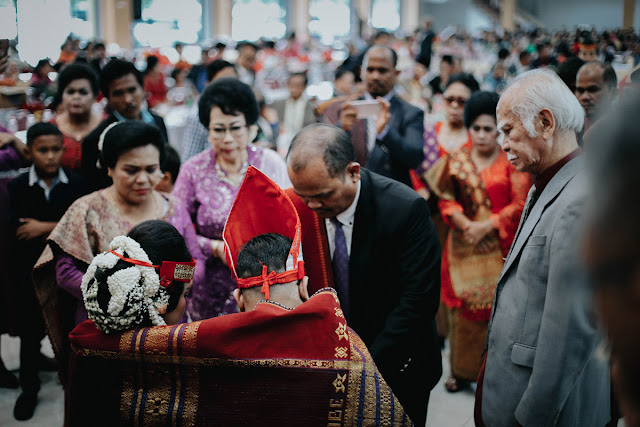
(389, 143)
(541, 366)
(121, 83)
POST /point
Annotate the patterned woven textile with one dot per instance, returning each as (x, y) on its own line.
(270, 366)
(84, 231)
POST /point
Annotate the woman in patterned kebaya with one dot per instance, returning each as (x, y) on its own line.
(208, 184)
(132, 152)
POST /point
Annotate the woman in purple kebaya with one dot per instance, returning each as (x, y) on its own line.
(208, 184)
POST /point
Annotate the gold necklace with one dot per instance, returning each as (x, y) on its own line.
(483, 165)
(114, 203)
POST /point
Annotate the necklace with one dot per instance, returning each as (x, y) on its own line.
(452, 139)
(77, 132)
(224, 177)
(114, 203)
(275, 303)
(481, 163)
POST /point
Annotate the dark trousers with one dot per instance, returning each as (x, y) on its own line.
(414, 403)
(31, 334)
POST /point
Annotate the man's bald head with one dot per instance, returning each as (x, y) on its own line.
(596, 88)
(322, 169)
(605, 70)
(324, 141)
(380, 49)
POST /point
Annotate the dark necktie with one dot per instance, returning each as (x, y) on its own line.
(340, 266)
(529, 206)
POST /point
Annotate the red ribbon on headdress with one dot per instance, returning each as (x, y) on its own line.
(168, 271)
(261, 206)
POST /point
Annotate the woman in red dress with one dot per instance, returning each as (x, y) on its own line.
(77, 89)
(481, 197)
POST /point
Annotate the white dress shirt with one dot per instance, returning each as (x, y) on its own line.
(346, 218)
(294, 115)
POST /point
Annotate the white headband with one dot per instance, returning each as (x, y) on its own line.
(101, 140)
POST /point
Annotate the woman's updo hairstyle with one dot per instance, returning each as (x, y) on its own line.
(480, 103)
(466, 79)
(232, 96)
(124, 136)
(163, 242)
(74, 72)
(119, 295)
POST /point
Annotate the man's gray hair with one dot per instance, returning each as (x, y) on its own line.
(540, 89)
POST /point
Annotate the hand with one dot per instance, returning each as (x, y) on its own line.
(348, 116)
(217, 249)
(8, 139)
(424, 193)
(485, 246)
(30, 229)
(475, 231)
(383, 115)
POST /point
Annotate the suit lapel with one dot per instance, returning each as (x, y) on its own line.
(555, 186)
(362, 231)
(396, 117)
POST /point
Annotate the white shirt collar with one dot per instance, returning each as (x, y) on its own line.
(34, 178)
(347, 217)
(388, 96)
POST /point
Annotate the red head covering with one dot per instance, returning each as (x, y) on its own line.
(261, 206)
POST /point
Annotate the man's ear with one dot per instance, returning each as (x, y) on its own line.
(353, 171)
(548, 123)
(27, 153)
(239, 298)
(303, 290)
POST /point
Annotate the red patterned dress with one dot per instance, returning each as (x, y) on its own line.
(469, 278)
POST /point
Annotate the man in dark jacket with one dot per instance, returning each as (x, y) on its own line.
(371, 238)
(122, 84)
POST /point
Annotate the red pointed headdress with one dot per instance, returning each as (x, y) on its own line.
(261, 206)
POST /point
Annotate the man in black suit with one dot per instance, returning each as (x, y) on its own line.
(390, 143)
(122, 84)
(383, 233)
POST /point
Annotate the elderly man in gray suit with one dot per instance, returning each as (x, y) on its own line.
(542, 367)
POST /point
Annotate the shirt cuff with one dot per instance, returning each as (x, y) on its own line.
(384, 132)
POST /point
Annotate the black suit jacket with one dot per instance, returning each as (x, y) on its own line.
(96, 178)
(394, 287)
(400, 150)
(27, 201)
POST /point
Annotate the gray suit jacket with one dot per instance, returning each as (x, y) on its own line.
(542, 366)
(309, 114)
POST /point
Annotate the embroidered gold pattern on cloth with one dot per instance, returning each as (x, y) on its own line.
(184, 272)
(338, 383)
(342, 352)
(342, 331)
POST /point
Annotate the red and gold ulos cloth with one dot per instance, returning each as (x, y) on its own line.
(270, 366)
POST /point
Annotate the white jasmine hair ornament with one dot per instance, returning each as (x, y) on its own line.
(135, 292)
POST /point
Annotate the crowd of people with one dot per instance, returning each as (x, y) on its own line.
(295, 246)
